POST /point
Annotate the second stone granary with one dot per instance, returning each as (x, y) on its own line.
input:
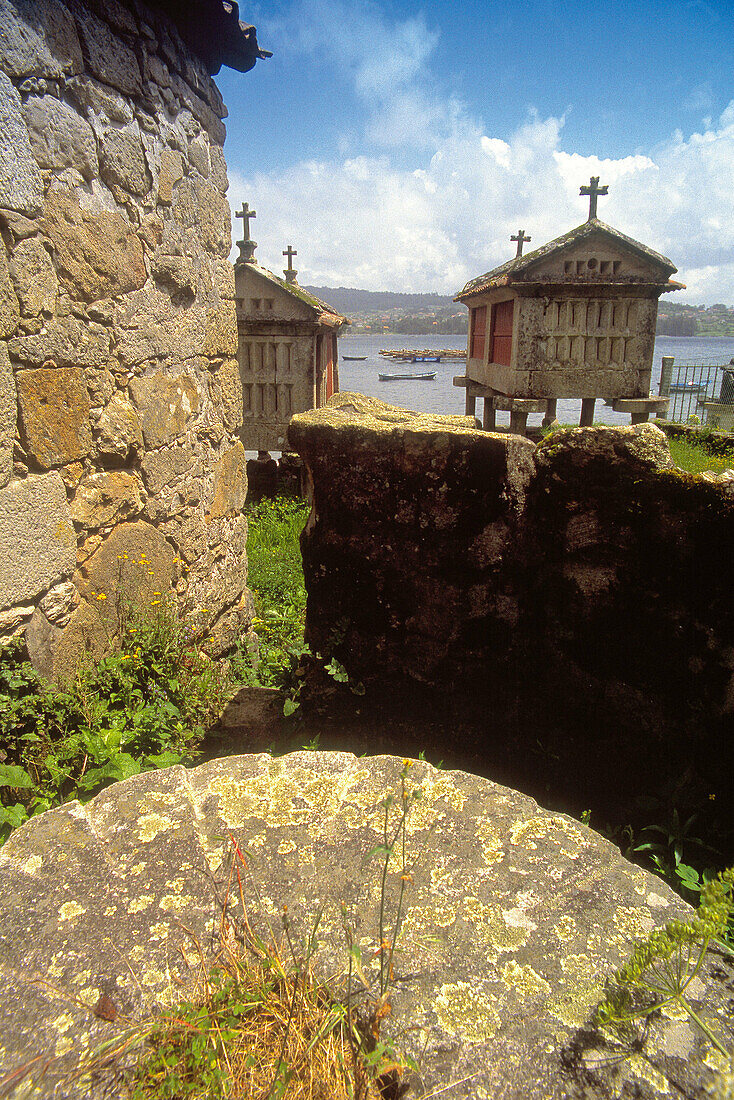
(573, 319)
(288, 355)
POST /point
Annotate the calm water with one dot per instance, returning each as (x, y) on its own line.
(441, 396)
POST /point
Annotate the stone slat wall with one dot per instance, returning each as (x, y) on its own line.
(578, 593)
(120, 398)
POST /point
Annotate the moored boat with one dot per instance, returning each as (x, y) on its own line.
(354, 358)
(427, 377)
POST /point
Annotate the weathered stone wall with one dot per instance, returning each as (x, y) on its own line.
(120, 398)
(583, 582)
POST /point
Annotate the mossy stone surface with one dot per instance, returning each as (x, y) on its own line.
(513, 918)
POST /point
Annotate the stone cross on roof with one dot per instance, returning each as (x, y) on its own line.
(520, 238)
(246, 246)
(593, 191)
(289, 272)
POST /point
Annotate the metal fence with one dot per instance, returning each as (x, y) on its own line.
(700, 393)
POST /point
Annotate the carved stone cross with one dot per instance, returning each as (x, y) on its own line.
(593, 191)
(246, 246)
(520, 238)
(245, 213)
(290, 273)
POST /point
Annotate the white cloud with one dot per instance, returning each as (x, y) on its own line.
(369, 221)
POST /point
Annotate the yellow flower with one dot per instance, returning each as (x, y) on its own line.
(150, 572)
(156, 593)
(101, 596)
(154, 602)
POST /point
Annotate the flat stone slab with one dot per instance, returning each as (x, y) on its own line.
(513, 916)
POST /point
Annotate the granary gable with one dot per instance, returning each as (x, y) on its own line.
(266, 297)
(593, 253)
(287, 346)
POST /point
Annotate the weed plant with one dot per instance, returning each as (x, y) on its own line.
(143, 706)
(275, 577)
(664, 964)
(258, 1024)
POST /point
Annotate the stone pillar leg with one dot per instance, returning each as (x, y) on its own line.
(518, 422)
(587, 412)
(551, 407)
(471, 404)
(490, 415)
(639, 418)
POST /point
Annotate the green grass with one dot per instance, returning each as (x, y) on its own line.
(275, 578)
(696, 458)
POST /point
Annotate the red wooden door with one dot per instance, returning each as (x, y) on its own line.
(329, 368)
(478, 332)
(501, 345)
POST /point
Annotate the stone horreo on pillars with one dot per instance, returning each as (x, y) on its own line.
(122, 474)
(573, 319)
(287, 346)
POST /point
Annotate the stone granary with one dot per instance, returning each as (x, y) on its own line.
(288, 353)
(573, 319)
(121, 468)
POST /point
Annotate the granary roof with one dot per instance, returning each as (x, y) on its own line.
(212, 29)
(324, 313)
(519, 269)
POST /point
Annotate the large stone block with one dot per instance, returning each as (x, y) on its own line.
(66, 340)
(198, 205)
(226, 386)
(38, 36)
(171, 171)
(118, 433)
(220, 335)
(34, 278)
(54, 415)
(8, 416)
(230, 482)
(165, 468)
(21, 186)
(60, 137)
(121, 159)
(150, 324)
(37, 540)
(513, 917)
(432, 486)
(102, 500)
(165, 405)
(86, 637)
(134, 566)
(107, 56)
(9, 309)
(581, 382)
(98, 254)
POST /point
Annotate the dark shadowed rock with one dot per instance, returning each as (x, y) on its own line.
(513, 917)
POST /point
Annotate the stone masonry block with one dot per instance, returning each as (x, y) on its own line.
(37, 541)
(54, 415)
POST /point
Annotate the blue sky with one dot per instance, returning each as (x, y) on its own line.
(398, 144)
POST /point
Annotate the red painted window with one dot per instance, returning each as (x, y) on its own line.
(478, 332)
(500, 350)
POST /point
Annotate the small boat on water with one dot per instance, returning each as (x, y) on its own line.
(427, 377)
(688, 387)
(354, 358)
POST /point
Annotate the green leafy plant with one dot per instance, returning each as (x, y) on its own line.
(145, 705)
(664, 964)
